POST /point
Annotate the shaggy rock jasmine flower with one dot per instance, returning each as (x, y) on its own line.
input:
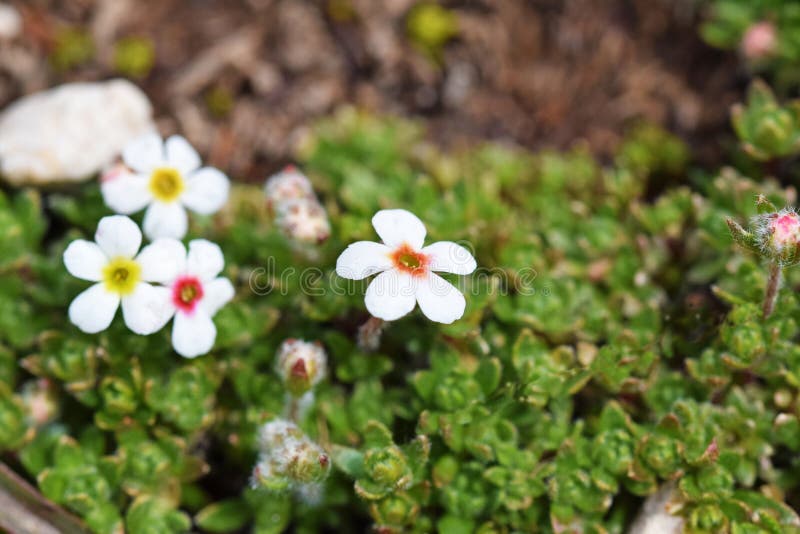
(407, 269)
(196, 293)
(122, 276)
(166, 179)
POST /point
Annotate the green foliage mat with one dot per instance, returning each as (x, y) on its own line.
(612, 343)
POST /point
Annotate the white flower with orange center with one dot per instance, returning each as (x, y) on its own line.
(122, 276)
(196, 293)
(407, 269)
(166, 179)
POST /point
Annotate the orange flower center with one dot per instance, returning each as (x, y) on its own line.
(410, 261)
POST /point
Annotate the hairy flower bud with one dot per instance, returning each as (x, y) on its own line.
(301, 365)
(304, 220)
(778, 235)
(289, 460)
(298, 212)
(289, 184)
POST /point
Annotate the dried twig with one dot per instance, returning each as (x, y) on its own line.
(23, 510)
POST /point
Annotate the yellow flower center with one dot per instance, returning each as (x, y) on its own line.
(188, 293)
(166, 184)
(121, 275)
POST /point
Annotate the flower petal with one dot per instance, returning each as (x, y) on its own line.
(118, 235)
(362, 259)
(450, 257)
(439, 300)
(84, 259)
(127, 193)
(216, 294)
(206, 191)
(391, 295)
(165, 220)
(93, 310)
(162, 260)
(205, 259)
(396, 227)
(147, 309)
(181, 155)
(144, 153)
(193, 334)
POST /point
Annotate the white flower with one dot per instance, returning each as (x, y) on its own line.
(166, 179)
(196, 293)
(122, 276)
(406, 269)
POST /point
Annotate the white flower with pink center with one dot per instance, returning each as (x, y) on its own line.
(166, 179)
(122, 277)
(196, 294)
(406, 269)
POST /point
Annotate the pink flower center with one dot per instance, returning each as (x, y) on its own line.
(410, 261)
(186, 293)
(786, 229)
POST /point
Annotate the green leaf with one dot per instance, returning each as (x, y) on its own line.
(224, 516)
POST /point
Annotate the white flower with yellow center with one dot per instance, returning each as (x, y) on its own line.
(166, 179)
(407, 269)
(122, 276)
(196, 293)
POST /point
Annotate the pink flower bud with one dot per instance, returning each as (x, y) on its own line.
(785, 229)
(778, 236)
(759, 41)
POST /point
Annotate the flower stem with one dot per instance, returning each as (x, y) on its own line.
(369, 334)
(294, 409)
(773, 283)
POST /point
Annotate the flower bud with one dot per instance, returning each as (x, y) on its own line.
(39, 397)
(304, 220)
(289, 184)
(301, 365)
(778, 236)
(759, 41)
(298, 212)
(289, 459)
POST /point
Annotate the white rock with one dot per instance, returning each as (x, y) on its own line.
(654, 518)
(10, 22)
(71, 132)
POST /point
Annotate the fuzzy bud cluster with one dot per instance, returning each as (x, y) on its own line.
(290, 461)
(297, 210)
(773, 234)
(301, 365)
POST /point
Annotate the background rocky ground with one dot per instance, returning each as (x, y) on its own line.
(540, 73)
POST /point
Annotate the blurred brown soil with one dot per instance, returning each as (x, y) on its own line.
(539, 73)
